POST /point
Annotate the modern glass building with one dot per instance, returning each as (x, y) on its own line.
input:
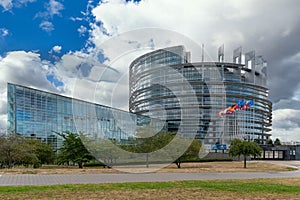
(165, 85)
(39, 114)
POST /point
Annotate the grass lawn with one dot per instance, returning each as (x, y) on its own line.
(229, 189)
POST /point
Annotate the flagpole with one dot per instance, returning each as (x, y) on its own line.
(244, 122)
(235, 125)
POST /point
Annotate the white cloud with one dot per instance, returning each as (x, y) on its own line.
(23, 68)
(204, 21)
(3, 32)
(82, 30)
(52, 8)
(47, 26)
(57, 49)
(212, 22)
(6, 4)
(76, 19)
(9, 4)
(55, 7)
(286, 124)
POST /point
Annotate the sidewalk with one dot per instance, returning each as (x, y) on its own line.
(57, 179)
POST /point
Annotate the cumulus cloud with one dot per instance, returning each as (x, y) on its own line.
(286, 124)
(203, 21)
(83, 71)
(286, 120)
(56, 49)
(23, 68)
(214, 23)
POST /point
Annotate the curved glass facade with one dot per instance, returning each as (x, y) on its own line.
(164, 85)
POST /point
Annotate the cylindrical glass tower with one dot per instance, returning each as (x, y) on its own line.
(165, 85)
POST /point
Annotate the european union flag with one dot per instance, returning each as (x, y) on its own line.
(241, 103)
(250, 103)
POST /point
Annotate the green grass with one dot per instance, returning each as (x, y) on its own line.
(238, 186)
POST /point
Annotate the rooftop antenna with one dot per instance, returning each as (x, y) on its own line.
(202, 52)
(221, 54)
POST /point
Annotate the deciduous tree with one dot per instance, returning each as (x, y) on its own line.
(18, 150)
(244, 148)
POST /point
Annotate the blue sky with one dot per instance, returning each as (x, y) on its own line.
(24, 31)
(59, 45)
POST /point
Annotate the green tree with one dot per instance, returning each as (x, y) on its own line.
(103, 150)
(73, 149)
(277, 142)
(148, 140)
(44, 152)
(10, 152)
(18, 150)
(28, 153)
(192, 153)
(269, 142)
(245, 148)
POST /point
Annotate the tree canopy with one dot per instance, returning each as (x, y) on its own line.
(18, 150)
(245, 148)
(277, 142)
(269, 142)
(192, 153)
(178, 150)
(73, 149)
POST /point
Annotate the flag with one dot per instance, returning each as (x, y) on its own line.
(222, 113)
(235, 106)
(241, 103)
(248, 104)
(228, 110)
(231, 109)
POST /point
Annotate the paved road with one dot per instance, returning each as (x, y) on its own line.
(56, 179)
